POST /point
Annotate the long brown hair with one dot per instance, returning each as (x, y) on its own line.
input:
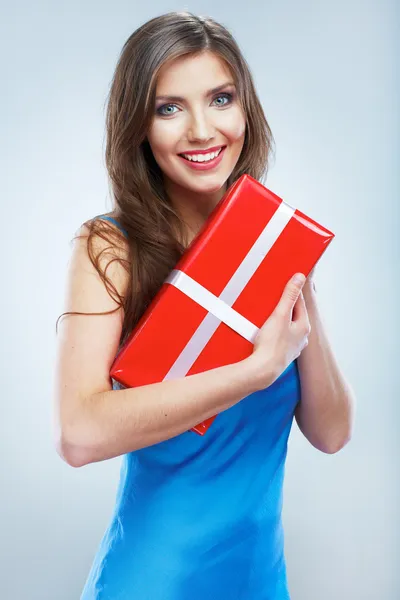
(155, 231)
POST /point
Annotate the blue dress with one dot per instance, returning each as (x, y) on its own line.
(199, 517)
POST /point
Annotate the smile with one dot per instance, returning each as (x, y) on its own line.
(203, 161)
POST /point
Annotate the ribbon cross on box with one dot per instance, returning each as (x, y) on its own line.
(209, 309)
(220, 308)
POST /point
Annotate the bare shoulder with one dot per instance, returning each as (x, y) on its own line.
(103, 251)
(87, 344)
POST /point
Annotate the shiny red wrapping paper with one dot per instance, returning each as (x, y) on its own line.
(249, 248)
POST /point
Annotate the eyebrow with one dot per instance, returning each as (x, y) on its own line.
(209, 93)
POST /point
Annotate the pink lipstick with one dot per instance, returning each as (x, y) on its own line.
(204, 166)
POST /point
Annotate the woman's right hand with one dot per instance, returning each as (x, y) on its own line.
(280, 340)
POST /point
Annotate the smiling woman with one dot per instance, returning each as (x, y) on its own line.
(182, 141)
(195, 517)
(186, 90)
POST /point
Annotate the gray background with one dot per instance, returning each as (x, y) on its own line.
(326, 76)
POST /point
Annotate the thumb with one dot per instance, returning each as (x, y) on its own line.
(291, 294)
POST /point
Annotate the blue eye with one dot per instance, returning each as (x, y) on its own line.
(224, 96)
(165, 114)
(162, 110)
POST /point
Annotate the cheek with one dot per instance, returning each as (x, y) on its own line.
(162, 138)
(234, 126)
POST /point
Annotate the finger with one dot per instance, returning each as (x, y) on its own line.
(290, 296)
(300, 310)
(301, 318)
(294, 312)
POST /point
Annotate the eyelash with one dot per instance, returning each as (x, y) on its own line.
(224, 95)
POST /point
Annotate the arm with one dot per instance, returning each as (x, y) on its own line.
(325, 413)
(115, 422)
(93, 422)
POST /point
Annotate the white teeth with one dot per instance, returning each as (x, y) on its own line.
(202, 157)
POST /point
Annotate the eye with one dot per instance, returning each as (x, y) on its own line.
(225, 96)
(165, 111)
(160, 110)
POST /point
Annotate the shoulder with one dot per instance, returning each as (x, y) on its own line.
(106, 227)
(110, 218)
(100, 245)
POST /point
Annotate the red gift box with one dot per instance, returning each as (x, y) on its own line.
(208, 311)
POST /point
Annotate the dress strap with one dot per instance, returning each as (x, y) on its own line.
(107, 218)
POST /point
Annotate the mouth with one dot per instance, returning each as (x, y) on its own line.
(203, 162)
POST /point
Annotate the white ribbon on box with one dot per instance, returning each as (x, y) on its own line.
(220, 308)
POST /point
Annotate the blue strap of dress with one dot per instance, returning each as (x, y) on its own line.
(107, 218)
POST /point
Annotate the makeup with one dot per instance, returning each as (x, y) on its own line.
(204, 166)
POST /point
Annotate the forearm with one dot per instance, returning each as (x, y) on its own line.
(116, 422)
(325, 413)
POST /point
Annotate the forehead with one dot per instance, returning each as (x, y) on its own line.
(189, 74)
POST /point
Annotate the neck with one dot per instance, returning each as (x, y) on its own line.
(193, 207)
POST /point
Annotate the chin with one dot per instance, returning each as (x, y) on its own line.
(208, 185)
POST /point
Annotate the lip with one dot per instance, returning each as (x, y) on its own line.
(193, 152)
(201, 166)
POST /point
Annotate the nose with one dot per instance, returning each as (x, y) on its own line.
(200, 129)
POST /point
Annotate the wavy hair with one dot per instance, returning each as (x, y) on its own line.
(155, 231)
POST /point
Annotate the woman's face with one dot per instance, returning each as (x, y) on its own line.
(196, 112)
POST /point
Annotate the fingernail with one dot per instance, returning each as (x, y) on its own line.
(299, 278)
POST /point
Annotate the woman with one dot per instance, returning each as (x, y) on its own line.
(195, 517)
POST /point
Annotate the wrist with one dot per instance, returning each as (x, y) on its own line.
(260, 374)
